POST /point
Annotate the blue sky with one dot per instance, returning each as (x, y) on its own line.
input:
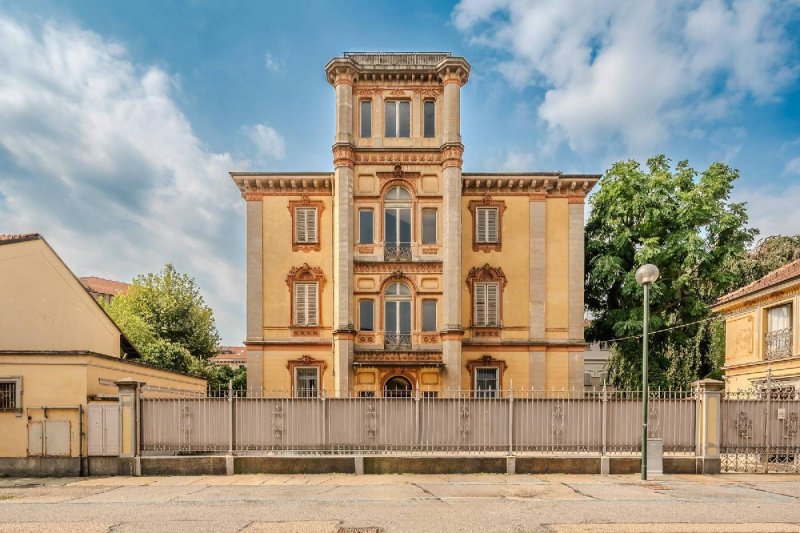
(120, 120)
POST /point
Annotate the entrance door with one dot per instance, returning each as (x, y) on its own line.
(397, 387)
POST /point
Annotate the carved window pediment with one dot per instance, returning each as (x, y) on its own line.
(486, 273)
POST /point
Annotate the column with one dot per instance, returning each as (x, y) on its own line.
(255, 293)
(128, 416)
(709, 428)
(452, 150)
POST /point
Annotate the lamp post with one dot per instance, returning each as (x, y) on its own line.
(646, 275)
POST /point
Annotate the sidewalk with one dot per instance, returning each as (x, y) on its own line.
(404, 503)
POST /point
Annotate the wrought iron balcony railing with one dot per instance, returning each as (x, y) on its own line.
(397, 340)
(779, 344)
(397, 252)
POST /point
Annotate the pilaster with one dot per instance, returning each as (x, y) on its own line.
(536, 251)
(255, 270)
(575, 313)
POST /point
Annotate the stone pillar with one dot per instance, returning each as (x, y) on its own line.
(343, 329)
(537, 297)
(344, 109)
(452, 150)
(575, 310)
(255, 292)
(128, 416)
(709, 425)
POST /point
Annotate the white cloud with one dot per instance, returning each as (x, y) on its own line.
(792, 166)
(763, 204)
(627, 71)
(96, 155)
(268, 142)
(272, 63)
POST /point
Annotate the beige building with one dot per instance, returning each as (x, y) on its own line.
(231, 356)
(761, 330)
(59, 351)
(397, 272)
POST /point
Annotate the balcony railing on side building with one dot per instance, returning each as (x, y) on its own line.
(397, 340)
(397, 252)
(779, 344)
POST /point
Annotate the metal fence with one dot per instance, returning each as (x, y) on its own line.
(535, 422)
(760, 430)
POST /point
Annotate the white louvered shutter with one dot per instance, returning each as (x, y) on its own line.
(305, 224)
(492, 314)
(480, 304)
(311, 304)
(300, 297)
(480, 228)
(491, 224)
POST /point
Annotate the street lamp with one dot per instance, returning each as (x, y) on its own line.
(645, 276)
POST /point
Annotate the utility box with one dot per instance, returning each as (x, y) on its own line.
(103, 430)
(49, 438)
(655, 456)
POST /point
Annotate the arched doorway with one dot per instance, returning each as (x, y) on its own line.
(397, 387)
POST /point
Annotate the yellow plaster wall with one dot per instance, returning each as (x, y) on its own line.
(740, 338)
(276, 372)
(279, 260)
(557, 268)
(513, 258)
(67, 381)
(52, 310)
(516, 374)
(46, 382)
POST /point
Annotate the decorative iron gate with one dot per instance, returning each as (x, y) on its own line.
(760, 430)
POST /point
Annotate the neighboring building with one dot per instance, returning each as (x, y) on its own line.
(595, 361)
(58, 351)
(231, 356)
(104, 288)
(761, 330)
(396, 272)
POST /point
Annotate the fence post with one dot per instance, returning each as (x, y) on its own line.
(324, 405)
(130, 420)
(766, 420)
(709, 425)
(416, 416)
(605, 461)
(511, 420)
(230, 417)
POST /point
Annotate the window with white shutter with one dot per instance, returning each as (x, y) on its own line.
(306, 311)
(486, 224)
(305, 224)
(486, 300)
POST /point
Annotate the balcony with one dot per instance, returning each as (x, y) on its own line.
(394, 252)
(778, 344)
(397, 341)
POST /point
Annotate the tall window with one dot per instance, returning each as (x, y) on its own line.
(366, 315)
(486, 382)
(397, 115)
(486, 224)
(430, 118)
(397, 225)
(486, 296)
(365, 225)
(306, 304)
(306, 381)
(305, 224)
(429, 226)
(778, 338)
(366, 118)
(397, 315)
(429, 315)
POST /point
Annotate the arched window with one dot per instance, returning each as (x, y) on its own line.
(397, 315)
(397, 387)
(397, 224)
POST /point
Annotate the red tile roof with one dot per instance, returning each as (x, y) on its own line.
(230, 353)
(9, 237)
(784, 273)
(104, 286)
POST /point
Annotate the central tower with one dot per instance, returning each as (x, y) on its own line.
(397, 236)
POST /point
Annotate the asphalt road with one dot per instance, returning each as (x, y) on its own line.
(403, 503)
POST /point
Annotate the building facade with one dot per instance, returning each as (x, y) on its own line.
(397, 273)
(761, 331)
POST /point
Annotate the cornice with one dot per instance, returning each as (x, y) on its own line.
(254, 186)
(374, 267)
(552, 185)
(758, 298)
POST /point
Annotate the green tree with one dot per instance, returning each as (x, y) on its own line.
(167, 320)
(683, 222)
(768, 254)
